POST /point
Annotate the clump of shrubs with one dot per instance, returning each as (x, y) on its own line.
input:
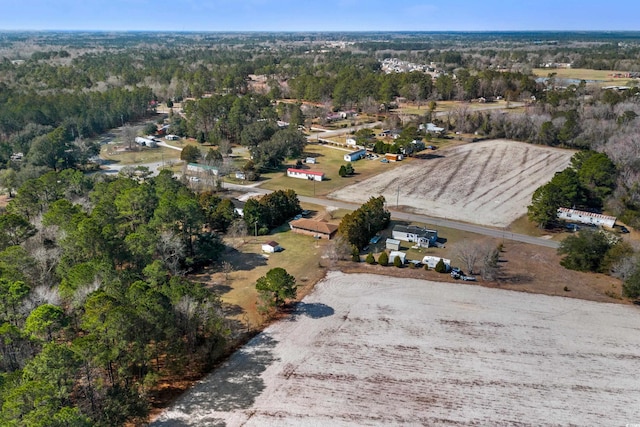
(355, 254)
(370, 259)
(383, 259)
(441, 267)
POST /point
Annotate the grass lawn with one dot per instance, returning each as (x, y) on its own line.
(144, 155)
(329, 161)
(441, 106)
(300, 257)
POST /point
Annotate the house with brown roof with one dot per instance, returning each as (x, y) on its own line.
(311, 227)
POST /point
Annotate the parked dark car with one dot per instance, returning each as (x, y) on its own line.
(624, 229)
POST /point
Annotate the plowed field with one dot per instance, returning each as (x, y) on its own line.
(378, 351)
(487, 183)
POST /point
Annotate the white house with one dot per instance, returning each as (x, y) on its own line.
(172, 137)
(431, 128)
(198, 168)
(148, 142)
(586, 217)
(422, 236)
(351, 141)
(310, 160)
(305, 174)
(271, 247)
(355, 155)
(431, 261)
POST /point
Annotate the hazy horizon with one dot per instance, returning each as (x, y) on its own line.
(329, 16)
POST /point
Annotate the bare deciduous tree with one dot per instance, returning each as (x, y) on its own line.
(338, 249)
(171, 251)
(468, 253)
(238, 228)
(490, 263)
(129, 136)
(227, 268)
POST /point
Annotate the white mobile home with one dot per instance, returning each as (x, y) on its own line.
(305, 174)
(146, 142)
(355, 155)
(198, 168)
(421, 236)
(586, 217)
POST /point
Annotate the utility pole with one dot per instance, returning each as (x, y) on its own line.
(398, 197)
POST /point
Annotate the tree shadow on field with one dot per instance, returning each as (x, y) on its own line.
(314, 310)
(220, 288)
(244, 261)
(428, 156)
(233, 386)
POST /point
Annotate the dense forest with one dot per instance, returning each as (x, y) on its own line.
(96, 303)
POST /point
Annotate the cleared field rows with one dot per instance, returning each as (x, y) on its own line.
(488, 183)
(374, 350)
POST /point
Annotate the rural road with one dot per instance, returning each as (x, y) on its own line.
(441, 222)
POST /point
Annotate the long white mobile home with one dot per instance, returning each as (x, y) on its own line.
(356, 155)
(586, 217)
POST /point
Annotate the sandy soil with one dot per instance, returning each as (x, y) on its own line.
(488, 183)
(375, 350)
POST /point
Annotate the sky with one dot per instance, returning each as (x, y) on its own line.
(320, 15)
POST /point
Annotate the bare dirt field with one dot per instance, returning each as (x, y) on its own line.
(488, 183)
(375, 350)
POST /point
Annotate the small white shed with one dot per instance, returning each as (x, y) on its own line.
(393, 244)
(271, 247)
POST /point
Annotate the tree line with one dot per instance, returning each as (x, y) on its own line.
(95, 305)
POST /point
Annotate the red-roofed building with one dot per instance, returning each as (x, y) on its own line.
(305, 174)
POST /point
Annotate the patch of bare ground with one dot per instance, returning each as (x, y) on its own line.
(4, 199)
(488, 182)
(365, 349)
(522, 267)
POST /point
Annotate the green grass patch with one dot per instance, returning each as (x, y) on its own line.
(329, 161)
(301, 257)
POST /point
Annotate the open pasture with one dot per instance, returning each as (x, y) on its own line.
(488, 183)
(374, 350)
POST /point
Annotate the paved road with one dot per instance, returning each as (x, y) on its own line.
(438, 222)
